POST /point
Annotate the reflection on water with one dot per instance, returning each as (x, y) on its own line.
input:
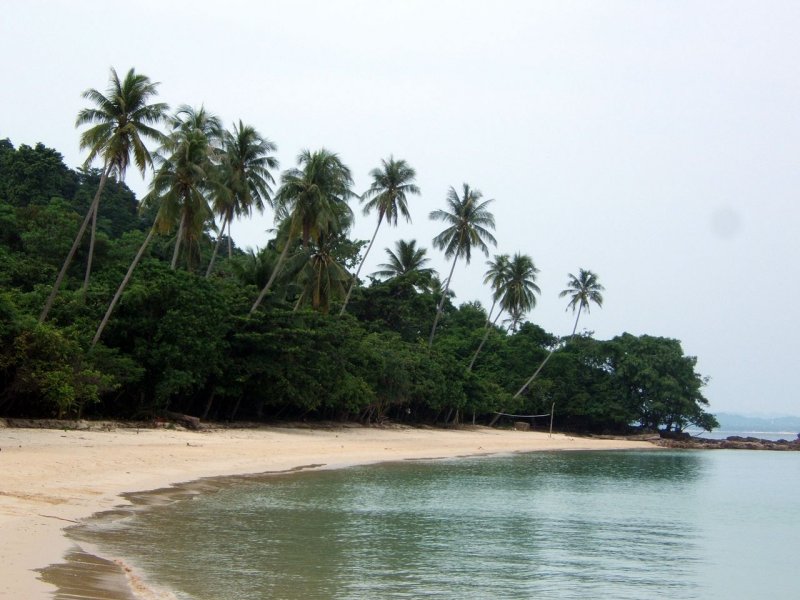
(551, 525)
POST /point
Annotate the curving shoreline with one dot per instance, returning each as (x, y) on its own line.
(53, 478)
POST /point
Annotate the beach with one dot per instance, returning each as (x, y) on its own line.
(53, 478)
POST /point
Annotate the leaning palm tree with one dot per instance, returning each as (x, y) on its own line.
(178, 190)
(469, 223)
(246, 179)
(582, 290)
(406, 258)
(181, 187)
(496, 278)
(311, 202)
(121, 122)
(388, 195)
(514, 282)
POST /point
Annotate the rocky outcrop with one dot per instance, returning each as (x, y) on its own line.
(734, 442)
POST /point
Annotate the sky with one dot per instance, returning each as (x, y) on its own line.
(655, 143)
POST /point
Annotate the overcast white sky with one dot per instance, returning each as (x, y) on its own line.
(656, 143)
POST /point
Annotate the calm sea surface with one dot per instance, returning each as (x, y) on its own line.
(653, 524)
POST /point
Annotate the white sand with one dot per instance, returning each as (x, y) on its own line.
(51, 478)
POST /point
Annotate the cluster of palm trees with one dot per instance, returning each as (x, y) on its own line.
(202, 171)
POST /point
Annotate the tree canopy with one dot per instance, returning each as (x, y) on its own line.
(181, 336)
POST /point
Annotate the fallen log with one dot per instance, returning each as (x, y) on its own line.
(187, 421)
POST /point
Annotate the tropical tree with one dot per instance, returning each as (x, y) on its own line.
(514, 285)
(496, 277)
(121, 121)
(183, 182)
(188, 118)
(519, 296)
(582, 291)
(311, 202)
(322, 278)
(178, 191)
(469, 222)
(388, 195)
(245, 177)
(406, 258)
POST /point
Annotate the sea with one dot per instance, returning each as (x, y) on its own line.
(619, 525)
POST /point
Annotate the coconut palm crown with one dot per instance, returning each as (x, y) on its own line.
(404, 259)
(121, 121)
(469, 222)
(582, 290)
(388, 194)
(311, 203)
(245, 174)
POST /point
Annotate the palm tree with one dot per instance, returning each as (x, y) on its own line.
(496, 278)
(520, 291)
(514, 282)
(387, 195)
(439, 288)
(121, 121)
(469, 223)
(406, 258)
(178, 189)
(181, 186)
(312, 201)
(583, 289)
(187, 118)
(246, 179)
(322, 278)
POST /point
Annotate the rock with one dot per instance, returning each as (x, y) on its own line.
(675, 435)
(3, 423)
(522, 426)
(731, 443)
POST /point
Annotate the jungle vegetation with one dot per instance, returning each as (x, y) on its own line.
(115, 306)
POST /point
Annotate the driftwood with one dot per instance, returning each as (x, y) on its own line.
(187, 421)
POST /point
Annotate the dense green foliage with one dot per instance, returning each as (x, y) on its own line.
(184, 342)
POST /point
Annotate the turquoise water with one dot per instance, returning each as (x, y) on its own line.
(653, 524)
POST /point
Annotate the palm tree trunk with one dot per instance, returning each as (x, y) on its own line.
(297, 304)
(178, 243)
(60, 278)
(230, 243)
(273, 276)
(121, 288)
(489, 314)
(216, 247)
(441, 302)
(575, 328)
(363, 260)
(91, 250)
(544, 362)
(485, 337)
(532, 377)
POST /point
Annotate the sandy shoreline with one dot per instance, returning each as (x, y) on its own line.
(50, 479)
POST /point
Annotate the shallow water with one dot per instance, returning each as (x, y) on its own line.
(657, 524)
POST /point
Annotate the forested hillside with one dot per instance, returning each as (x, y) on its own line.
(156, 309)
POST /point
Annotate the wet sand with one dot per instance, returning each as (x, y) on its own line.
(52, 479)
